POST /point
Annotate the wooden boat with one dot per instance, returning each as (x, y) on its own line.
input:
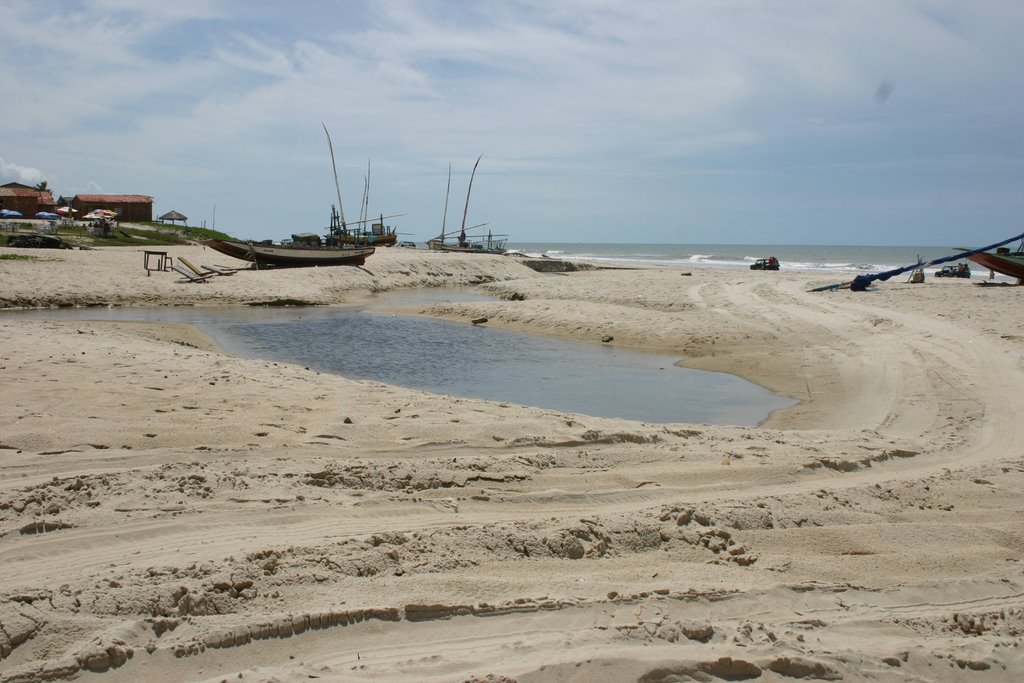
(1009, 263)
(492, 244)
(468, 244)
(1002, 261)
(301, 252)
(379, 235)
(343, 245)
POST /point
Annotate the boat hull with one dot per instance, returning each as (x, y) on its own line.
(1011, 264)
(468, 250)
(472, 248)
(292, 256)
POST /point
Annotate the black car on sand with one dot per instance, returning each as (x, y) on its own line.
(770, 263)
(959, 270)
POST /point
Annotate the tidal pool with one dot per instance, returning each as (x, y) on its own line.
(442, 357)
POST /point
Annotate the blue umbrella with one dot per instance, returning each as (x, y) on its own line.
(47, 215)
(8, 213)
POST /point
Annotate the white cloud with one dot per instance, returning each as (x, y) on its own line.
(194, 100)
(13, 173)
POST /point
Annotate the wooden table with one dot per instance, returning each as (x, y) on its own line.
(162, 261)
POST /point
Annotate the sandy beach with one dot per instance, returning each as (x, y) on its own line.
(169, 512)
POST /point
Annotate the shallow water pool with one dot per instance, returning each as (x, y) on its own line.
(443, 357)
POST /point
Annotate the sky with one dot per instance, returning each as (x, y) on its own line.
(863, 122)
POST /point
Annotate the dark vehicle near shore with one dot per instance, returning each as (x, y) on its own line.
(770, 263)
(959, 270)
(37, 241)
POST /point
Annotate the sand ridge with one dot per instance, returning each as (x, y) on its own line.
(171, 512)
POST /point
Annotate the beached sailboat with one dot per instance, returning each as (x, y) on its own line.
(1002, 260)
(301, 252)
(470, 244)
(377, 235)
(342, 246)
(491, 244)
(994, 254)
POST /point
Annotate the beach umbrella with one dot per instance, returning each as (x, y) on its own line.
(47, 215)
(8, 213)
(66, 210)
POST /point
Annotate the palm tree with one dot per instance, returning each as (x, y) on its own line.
(43, 186)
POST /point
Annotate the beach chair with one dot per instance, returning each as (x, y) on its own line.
(219, 270)
(189, 275)
(198, 271)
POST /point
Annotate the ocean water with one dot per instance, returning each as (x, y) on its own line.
(841, 260)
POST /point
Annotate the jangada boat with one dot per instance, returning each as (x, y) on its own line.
(1002, 260)
(344, 245)
(302, 252)
(492, 244)
(378, 235)
(996, 256)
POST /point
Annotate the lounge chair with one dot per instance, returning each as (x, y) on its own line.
(198, 271)
(190, 276)
(219, 270)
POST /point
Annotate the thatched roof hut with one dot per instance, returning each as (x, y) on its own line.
(173, 216)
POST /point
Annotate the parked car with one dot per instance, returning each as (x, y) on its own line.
(959, 270)
(770, 263)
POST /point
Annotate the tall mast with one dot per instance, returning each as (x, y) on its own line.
(465, 212)
(365, 210)
(444, 218)
(337, 185)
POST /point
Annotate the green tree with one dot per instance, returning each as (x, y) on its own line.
(43, 186)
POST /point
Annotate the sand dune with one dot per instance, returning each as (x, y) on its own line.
(169, 512)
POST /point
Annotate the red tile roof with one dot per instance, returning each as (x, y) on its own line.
(24, 192)
(115, 198)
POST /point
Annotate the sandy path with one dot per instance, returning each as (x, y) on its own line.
(227, 518)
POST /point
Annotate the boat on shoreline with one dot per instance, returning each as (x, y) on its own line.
(302, 252)
(1002, 261)
(491, 244)
(378, 235)
(467, 244)
(343, 245)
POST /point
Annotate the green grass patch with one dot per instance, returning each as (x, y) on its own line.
(207, 234)
(160, 235)
(123, 237)
(134, 235)
(191, 232)
(18, 257)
